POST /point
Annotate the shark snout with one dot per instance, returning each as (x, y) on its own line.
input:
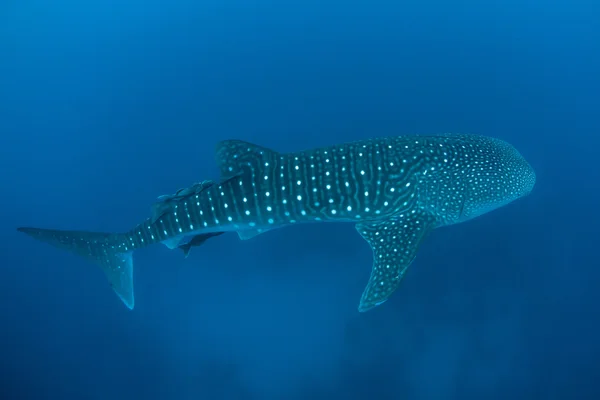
(529, 178)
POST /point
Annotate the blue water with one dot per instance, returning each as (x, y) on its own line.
(104, 105)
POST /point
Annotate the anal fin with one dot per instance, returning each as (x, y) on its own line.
(395, 242)
(250, 233)
(197, 240)
(173, 243)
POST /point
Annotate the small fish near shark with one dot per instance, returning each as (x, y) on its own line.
(395, 191)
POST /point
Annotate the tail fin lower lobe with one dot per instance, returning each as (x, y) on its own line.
(98, 247)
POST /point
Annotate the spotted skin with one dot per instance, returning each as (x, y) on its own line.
(395, 189)
(395, 242)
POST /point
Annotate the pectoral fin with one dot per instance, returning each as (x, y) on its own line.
(394, 242)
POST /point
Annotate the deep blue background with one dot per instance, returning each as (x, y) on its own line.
(105, 105)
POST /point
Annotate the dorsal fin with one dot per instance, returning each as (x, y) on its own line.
(164, 203)
(234, 155)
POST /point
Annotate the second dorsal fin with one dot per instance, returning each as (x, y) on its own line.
(234, 155)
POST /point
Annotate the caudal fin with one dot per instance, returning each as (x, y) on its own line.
(98, 247)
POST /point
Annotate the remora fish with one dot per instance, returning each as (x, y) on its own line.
(396, 190)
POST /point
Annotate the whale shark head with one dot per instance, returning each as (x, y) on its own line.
(498, 174)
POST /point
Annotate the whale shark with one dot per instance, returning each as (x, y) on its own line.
(395, 190)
